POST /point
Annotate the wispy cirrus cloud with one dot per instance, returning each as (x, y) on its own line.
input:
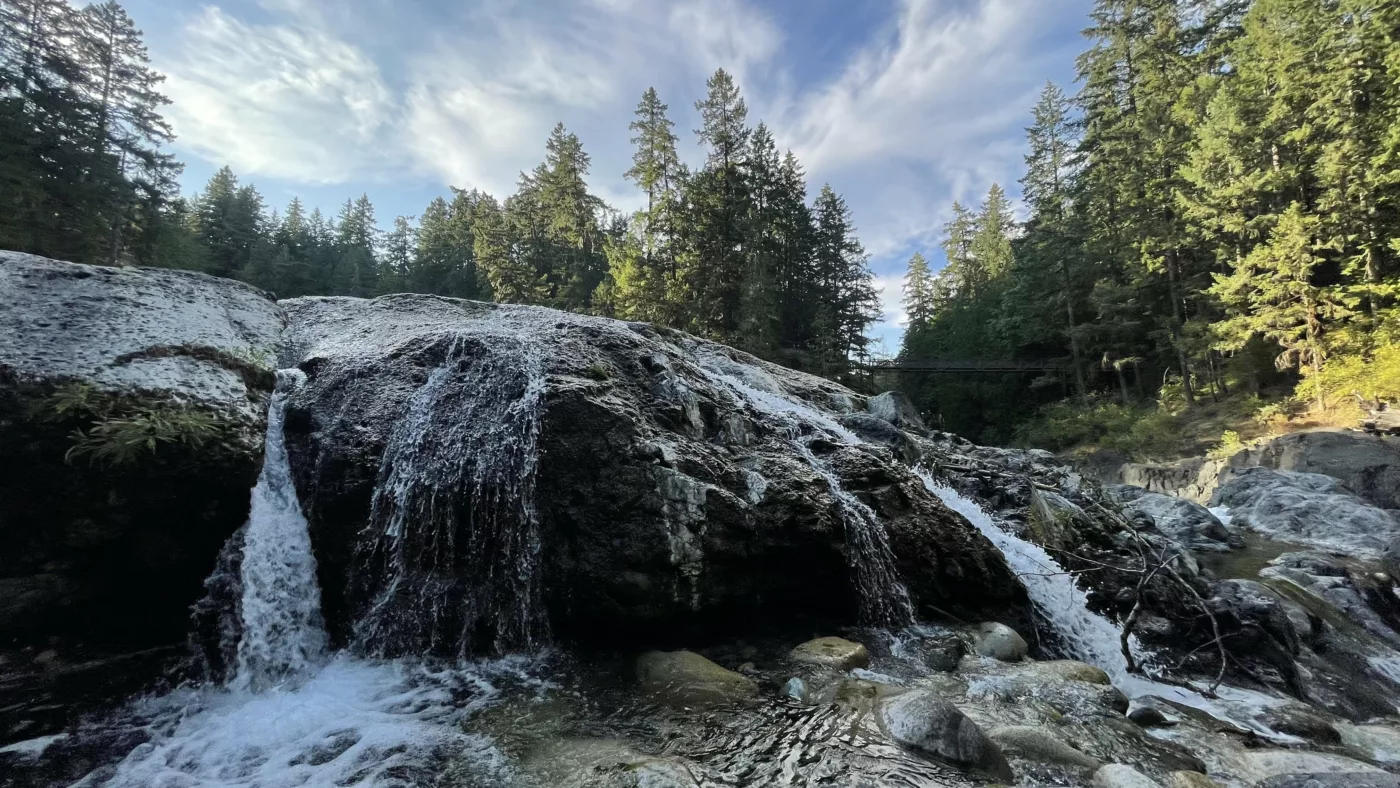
(277, 99)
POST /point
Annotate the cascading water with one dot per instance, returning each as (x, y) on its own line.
(291, 716)
(283, 637)
(1088, 636)
(451, 553)
(884, 601)
(1058, 600)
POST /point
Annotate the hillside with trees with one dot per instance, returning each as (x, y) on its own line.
(733, 250)
(1212, 217)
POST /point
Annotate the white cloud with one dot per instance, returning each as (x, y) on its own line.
(931, 113)
(487, 91)
(280, 100)
(891, 290)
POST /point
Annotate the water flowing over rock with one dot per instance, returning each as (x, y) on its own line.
(680, 487)
(452, 544)
(282, 636)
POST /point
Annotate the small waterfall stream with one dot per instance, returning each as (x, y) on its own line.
(1090, 637)
(283, 637)
(451, 550)
(884, 600)
(291, 715)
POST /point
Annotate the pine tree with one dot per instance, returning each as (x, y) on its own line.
(918, 297)
(122, 87)
(713, 264)
(1273, 294)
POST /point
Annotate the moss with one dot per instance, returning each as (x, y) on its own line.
(598, 371)
(253, 367)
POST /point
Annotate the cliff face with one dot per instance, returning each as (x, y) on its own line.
(132, 403)
(653, 485)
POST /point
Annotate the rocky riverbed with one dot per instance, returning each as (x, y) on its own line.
(496, 545)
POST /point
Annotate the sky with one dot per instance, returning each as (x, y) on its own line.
(901, 105)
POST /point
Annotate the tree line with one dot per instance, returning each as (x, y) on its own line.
(1217, 208)
(733, 249)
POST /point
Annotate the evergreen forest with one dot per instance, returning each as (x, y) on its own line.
(1213, 216)
(1211, 212)
(734, 249)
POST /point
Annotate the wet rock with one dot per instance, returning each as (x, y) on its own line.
(1307, 507)
(1149, 716)
(831, 652)
(796, 689)
(684, 678)
(1379, 743)
(108, 539)
(1189, 780)
(1332, 780)
(1071, 670)
(999, 641)
(922, 721)
(1023, 681)
(859, 694)
(941, 652)
(1186, 522)
(1301, 721)
(895, 408)
(1116, 775)
(1035, 744)
(1368, 465)
(1260, 765)
(660, 515)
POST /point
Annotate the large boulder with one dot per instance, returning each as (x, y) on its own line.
(1187, 522)
(925, 722)
(684, 678)
(658, 486)
(132, 408)
(1308, 508)
(896, 408)
(1367, 465)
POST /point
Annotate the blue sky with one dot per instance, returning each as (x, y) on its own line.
(902, 105)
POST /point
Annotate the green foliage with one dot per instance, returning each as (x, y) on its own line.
(598, 371)
(119, 440)
(116, 431)
(1217, 209)
(1136, 430)
(1229, 445)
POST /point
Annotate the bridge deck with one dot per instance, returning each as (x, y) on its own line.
(963, 365)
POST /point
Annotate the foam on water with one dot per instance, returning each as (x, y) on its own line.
(353, 722)
(1090, 637)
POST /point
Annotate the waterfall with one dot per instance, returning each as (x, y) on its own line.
(292, 716)
(1058, 600)
(451, 554)
(282, 636)
(1090, 637)
(884, 600)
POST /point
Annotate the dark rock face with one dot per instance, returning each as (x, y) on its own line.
(132, 405)
(675, 494)
(1185, 521)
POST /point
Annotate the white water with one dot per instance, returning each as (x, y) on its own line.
(282, 634)
(291, 717)
(1090, 637)
(884, 600)
(470, 434)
